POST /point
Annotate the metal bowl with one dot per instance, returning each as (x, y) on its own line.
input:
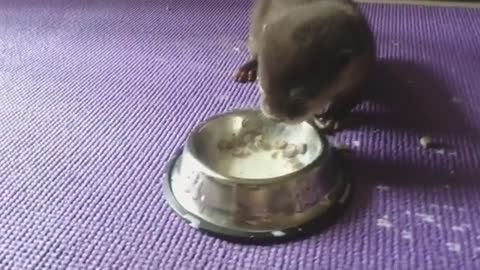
(258, 193)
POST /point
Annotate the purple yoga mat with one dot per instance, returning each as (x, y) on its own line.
(97, 95)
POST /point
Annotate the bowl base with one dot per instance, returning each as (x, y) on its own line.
(265, 237)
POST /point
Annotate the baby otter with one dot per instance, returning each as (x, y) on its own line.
(312, 58)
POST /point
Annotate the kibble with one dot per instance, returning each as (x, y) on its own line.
(250, 141)
(280, 144)
(249, 124)
(296, 164)
(290, 151)
(241, 143)
(258, 138)
(264, 145)
(248, 138)
(252, 146)
(239, 152)
(225, 145)
(245, 123)
(302, 149)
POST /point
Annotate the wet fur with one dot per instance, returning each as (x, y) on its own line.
(292, 40)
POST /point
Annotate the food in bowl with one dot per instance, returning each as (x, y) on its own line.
(254, 153)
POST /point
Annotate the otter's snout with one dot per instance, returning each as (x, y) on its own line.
(268, 112)
(280, 108)
(281, 113)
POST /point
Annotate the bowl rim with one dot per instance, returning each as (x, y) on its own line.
(315, 163)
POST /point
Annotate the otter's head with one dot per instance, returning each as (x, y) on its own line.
(298, 67)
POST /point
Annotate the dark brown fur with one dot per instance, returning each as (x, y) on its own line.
(312, 58)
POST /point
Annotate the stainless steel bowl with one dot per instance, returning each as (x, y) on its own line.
(247, 196)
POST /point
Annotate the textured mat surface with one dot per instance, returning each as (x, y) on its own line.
(96, 96)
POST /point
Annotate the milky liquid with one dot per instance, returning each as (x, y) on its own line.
(258, 164)
(258, 152)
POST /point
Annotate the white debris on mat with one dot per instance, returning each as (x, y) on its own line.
(384, 222)
(223, 97)
(356, 143)
(407, 235)
(452, 153)
(426, 217)
(455, 247)
(383, 188)
(458, 228)
(449, 207)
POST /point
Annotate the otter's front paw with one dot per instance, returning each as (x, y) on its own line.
(327, 125)
(247, 72)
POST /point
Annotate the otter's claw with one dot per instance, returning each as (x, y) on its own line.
(247, 72)
(327, 125)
